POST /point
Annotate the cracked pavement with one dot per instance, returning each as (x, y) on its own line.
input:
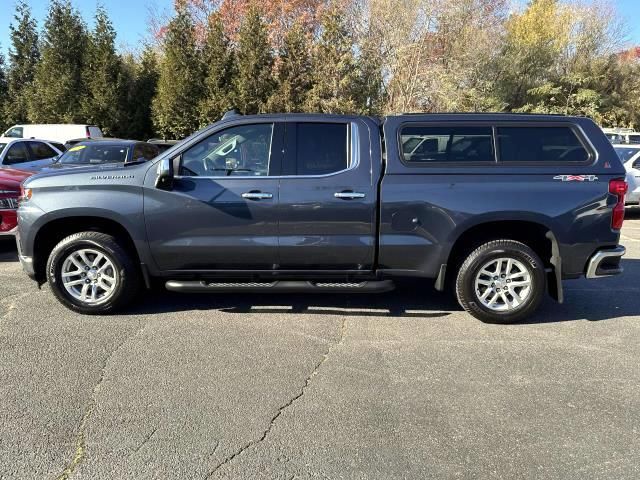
(400, 385)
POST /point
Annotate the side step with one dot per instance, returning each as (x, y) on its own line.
(280, 286)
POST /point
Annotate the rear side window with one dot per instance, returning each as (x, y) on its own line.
(59, 146)
(540, 144)
(41, 151)
(144, 151)
(430, 144)
(321, 148)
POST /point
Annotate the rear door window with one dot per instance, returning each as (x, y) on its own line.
(144, 151)
(41, 151)
(425, 144)
(17, 153)
(317, 148)
(540, 144)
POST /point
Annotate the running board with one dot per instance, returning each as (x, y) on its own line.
(280, 286)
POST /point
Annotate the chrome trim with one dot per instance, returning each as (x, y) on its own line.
(599, 256)
(354, 161)
(257, 195)
(349, 195)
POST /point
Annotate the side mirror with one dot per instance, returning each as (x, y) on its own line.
(164, 180)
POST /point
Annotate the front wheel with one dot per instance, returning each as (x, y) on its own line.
(91, 273)
(502, 281)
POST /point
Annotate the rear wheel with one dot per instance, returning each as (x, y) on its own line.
(90, 272)
(502, 281)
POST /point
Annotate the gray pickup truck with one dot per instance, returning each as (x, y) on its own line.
(499, 208)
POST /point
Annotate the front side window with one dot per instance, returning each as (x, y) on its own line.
(540, 144)
(41, 151)
(243, 150)
(15, 132)
(17, 153)
(429, 144)
(94, 155)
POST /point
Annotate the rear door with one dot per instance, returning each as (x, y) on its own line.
(328, 200)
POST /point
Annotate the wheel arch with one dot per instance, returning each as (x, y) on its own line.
(538, 236)
(53, 231)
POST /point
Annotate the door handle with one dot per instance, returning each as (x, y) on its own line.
(349, 195)
(257, 195)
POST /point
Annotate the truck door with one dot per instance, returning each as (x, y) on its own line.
(327, 211)
(221, 213)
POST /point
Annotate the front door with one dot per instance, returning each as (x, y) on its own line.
(328, 197)
(221, 213)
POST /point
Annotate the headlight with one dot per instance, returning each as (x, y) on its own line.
(25, 194)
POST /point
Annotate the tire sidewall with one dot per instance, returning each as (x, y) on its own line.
(536, 270)
(54, 274)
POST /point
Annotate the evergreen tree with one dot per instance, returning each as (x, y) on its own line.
(369, 85)
(23, 59)
(334, 66)
(58, 88)
(3, 92)
(142, 81)
(175, 106)
(219, 62)
(103, 78)
(254, 82)
(293, 80)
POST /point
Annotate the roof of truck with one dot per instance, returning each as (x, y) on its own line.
(444, 116)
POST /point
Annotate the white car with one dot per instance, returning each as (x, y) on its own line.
(630, 156)
(54, 132)
(28, 154)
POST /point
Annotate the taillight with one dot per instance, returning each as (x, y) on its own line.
(88, 132)
(618, 187)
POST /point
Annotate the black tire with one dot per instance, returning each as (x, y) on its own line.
(470, 299)
(127, 278)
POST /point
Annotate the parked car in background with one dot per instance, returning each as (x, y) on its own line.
(10, 180)
(630, 157)
(105, 151)
(28, 154)
(54, 132)
(622, 136)
(163, 145)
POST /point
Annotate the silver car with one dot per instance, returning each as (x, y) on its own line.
(28, 154)
(630, 156)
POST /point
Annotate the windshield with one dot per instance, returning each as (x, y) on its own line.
(2, 145)
(625, 154)
(94, 154)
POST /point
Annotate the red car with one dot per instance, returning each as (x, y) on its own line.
(10, 180)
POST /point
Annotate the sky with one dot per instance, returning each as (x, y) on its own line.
(130, 17)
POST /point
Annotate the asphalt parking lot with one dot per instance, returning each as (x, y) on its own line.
(401, 385)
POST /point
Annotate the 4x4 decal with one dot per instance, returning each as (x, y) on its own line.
(576, 178)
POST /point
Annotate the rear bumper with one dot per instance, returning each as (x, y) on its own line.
(605, 262)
